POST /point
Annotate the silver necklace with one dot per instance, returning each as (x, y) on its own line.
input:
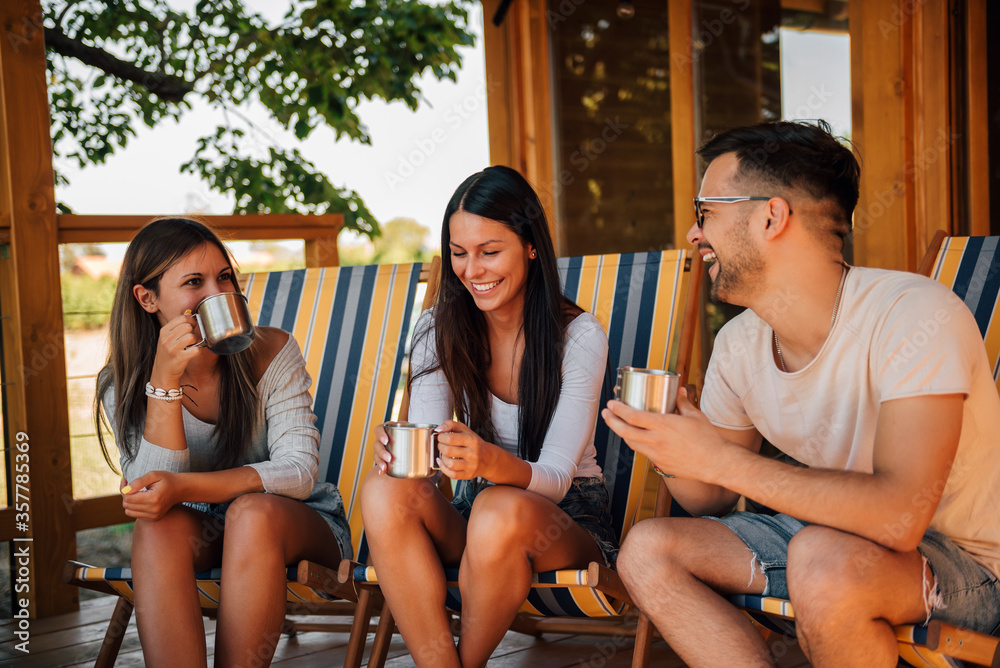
(833, 319)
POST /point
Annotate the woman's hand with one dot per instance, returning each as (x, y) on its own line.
(162, 492)
(463, 455)
(382, 455)
(175, 349)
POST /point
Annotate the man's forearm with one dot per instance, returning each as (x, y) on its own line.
(864, 504)
(700, 498)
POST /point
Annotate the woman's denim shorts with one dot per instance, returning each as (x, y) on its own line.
(586, 502)
(969, 594)
(325, 500)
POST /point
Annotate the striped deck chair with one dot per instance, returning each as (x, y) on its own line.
(352, 324)
(970, 266)
(639, 299)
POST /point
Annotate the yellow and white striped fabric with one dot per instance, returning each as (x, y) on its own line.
(352, 324)
(638, 298)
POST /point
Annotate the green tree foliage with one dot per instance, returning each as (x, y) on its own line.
(402, 240)
(145, 62)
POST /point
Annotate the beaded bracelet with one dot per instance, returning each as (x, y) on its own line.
(169, 396)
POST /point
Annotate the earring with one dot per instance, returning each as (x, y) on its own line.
(532, 255)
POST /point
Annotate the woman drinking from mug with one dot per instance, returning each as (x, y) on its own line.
(521, 368)
(218, 455)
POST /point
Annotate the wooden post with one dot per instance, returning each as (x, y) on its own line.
(978, 122)
(518, 99)
(38, 383)
(881, 82)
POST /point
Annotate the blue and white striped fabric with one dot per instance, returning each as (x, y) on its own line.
(970, 266)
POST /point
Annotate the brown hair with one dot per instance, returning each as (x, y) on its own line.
(133, 335)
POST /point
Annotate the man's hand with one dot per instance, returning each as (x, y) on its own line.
(683, 444)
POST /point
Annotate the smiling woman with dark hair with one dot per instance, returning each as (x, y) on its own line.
(519, 368)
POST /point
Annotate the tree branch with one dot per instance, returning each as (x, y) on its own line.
(167, 87)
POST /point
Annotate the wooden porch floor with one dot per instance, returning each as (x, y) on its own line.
(74, 640)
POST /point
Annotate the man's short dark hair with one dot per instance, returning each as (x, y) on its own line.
(795, 155)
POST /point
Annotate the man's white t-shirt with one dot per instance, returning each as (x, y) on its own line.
(897, 335)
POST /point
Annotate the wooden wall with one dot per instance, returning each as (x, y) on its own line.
(919, 114)
(919, 106)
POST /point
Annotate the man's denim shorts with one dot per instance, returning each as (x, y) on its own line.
(325, 500)
(586, 502)
(969, 593)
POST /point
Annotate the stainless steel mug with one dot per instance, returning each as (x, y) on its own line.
(414, 449)
(647, 389)
(225, 323)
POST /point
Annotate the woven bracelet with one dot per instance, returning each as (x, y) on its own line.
(665, 475)
(169, 396)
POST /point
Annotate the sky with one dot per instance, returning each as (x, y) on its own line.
(416, 159)
(816, 81)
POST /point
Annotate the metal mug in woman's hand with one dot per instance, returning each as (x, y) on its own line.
(225, 323)
(647, 389)
(414, 449)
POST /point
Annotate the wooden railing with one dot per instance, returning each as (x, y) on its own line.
(318, 231)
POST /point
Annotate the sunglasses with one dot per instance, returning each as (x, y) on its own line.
(698, 201)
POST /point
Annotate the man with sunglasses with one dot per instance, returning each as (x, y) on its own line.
(876, 381)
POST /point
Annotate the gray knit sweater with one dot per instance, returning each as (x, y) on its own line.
(284, 446)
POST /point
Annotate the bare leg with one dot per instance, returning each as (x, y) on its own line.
(512, 533)
(677, 570)
(165, 556)
(264, 534)
(412, 531)
(848, 592)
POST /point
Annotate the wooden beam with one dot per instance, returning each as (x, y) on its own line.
(978, 124)
(99, 511)
(242, 227)
(28, 184)
(883, 225)
(498, 84)
(929, 172)
(518, 100)
(682, 125)
(683, 133)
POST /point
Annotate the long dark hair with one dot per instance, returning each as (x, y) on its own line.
(462, 340)
(133, 334)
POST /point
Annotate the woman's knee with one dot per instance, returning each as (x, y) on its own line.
(505, 518)
(178, 535)
(257, 513)
(388, 502)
